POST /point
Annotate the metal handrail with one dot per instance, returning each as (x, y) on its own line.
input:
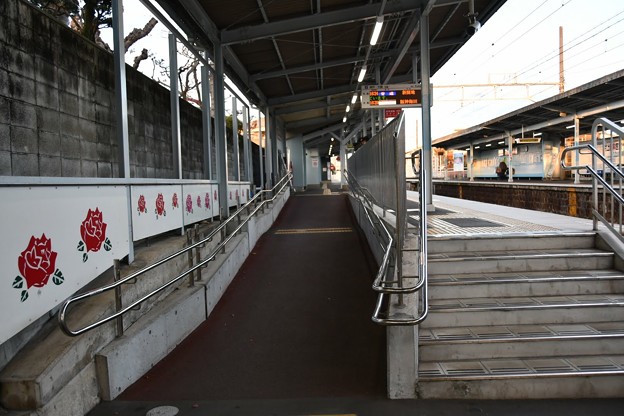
(423, 284)
(597, 177)
(384, 268)
(62, 316)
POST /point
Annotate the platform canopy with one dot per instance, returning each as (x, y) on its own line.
(302, 58)
(552, 117)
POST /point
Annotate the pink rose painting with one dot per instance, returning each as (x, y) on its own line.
(174, 200)
(198, 201)
(93, 234)
(160, 206)
(142, 206)
(207, 200)
(36, 264)
(189, 204)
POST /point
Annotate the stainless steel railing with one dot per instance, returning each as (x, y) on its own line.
(258, 201)
(605, 170)
(389, 280)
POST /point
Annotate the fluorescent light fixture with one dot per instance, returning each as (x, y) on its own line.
(348, 108)
(501, 142)
(344, 119)
(362, 74)
(477, 147)
(376, 30)
(537, 134)
(488, 145)
(354, 98)
(570, 127)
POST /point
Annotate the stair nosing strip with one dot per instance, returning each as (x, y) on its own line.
(534, 338)
(527, 375)
(521, 307)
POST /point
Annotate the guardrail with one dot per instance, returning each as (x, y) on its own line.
(389, 280)
(116, 286)
(608, 203)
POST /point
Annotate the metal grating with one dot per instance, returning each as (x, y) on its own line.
(467, 222)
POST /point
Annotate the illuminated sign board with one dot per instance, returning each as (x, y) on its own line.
(394, 95)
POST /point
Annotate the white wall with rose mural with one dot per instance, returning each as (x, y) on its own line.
(58, 238)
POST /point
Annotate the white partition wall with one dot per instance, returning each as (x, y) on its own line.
(55, 241)
(156, 209)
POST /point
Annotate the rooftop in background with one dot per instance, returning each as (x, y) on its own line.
(602, 97)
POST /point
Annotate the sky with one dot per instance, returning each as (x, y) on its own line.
(519, 44)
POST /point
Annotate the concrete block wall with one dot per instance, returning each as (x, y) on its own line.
(57, 107)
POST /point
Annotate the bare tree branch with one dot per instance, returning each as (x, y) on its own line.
(139, 58)
(138, 34)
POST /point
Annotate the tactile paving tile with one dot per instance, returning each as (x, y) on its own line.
(441, 223)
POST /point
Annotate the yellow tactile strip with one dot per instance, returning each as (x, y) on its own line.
(322, 230)
(437, 226)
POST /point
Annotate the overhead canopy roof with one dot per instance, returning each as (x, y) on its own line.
(302, 57)
(553, 117)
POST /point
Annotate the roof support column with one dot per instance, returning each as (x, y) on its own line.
(220, 137)
(426, 106)
(246, 145)
(470, 162)
(273, 132)
(121, 99)
(236, 155)
(261, 150)
(509, 153)
(207, 122)
(577, 126)
(175, 107)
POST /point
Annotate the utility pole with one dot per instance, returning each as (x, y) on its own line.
(561, 77)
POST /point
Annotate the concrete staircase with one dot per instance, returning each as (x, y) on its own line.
(523, 316)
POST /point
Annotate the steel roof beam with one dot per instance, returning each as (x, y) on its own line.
(311, 106)
(411, 29)
(343, 89)
(324, 19)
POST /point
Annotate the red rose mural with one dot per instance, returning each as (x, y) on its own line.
(215, 195)
(142, 206)
(160, 206)
(189, 204)
(37, 263)
(199, 201)
(207, 200)
(93, 234)
(174, 200)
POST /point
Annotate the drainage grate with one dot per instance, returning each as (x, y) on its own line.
(472, 222)
(440, 211)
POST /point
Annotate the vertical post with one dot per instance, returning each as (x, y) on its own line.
(509, 150)
(121, 99)
(268, 126)
(118, 304)
(274, 161)
(577, 126)
(261, 151)
(247, 145)
(220, 137)
(343, 160)
(236, 158)
(470, 161)
(207, 123)
(197, 251)
(426, 104)
(175, 107)
(189, 255)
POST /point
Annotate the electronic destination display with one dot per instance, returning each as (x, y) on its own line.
(395, 95)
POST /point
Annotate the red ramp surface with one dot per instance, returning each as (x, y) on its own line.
(294, 323)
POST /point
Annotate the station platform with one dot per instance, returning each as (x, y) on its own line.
(293, 335)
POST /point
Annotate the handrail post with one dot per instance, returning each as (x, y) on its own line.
(197, 251)
(118, 304)
(189, 242)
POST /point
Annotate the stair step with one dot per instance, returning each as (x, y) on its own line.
(524, 310)
(519, 261)
(534, 241)
(541, 283)
(439, 344)
(526, 378)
